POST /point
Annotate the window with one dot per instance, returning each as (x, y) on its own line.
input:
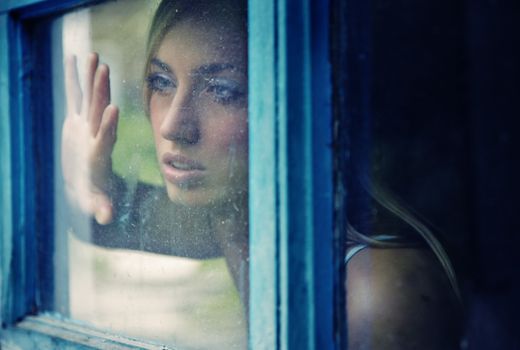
(45, 304)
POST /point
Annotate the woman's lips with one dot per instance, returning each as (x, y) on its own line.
(182, 171)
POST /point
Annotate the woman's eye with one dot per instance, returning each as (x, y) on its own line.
(160, 83)
(224, 91)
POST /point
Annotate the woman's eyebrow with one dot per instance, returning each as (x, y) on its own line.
(214, 68)
(160, 64)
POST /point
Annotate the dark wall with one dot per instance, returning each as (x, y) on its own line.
(494, 75)
(419, 112)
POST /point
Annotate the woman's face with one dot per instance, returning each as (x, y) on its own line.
(198, 111)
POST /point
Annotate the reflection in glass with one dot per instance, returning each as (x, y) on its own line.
(405, 178)
(155, 224)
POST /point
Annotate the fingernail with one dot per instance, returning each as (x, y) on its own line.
(103, 215)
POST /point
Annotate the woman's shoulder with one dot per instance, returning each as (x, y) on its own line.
(400, 298)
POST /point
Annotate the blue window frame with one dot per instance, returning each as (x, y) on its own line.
(292, 200)
(291, 171)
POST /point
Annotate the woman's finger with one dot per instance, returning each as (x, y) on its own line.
(72, 88)
(100, 98)
(103, 211)
(97, 204)
(107, 129)
(80, 197)
(91, 67)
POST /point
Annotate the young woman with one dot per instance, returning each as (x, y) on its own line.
(196, 99)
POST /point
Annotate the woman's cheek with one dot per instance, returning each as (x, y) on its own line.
(154, 117)
(230, 131)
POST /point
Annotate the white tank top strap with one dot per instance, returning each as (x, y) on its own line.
(353, 250)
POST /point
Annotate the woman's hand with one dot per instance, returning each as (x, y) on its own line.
(88, 138)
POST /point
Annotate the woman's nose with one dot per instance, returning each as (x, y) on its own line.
(181, 123)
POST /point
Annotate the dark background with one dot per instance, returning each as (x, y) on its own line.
(431, 91)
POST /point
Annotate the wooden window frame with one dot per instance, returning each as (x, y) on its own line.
(293, 270)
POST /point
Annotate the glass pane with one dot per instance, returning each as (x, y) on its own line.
(152, 189)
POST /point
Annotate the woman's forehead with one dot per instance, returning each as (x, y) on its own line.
(216, 28)
(204, 41)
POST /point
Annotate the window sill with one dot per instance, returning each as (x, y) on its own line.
(56, 333)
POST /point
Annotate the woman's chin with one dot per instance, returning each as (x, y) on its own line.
(201, 197)
(191, 197)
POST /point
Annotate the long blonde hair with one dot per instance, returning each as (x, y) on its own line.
(389, 202)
